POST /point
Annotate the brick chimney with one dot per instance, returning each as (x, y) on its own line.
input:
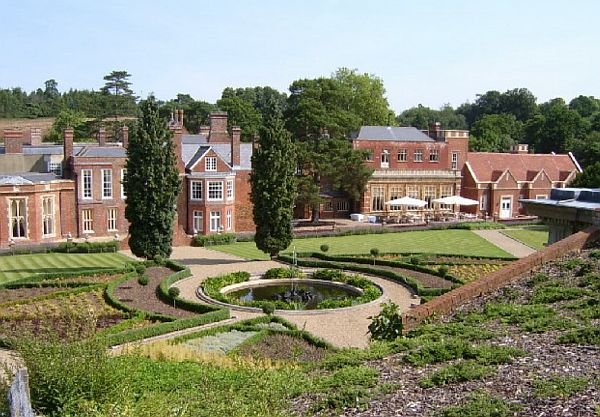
(13, 141)
(67, 152)
(520, 148)
(124, 134)
(35, 136)
(177, 141)
(204, 130)
(218, 127)
(435, 129)
(101, 137)
(236, 133)
(180, 118)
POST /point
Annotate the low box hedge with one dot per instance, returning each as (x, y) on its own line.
(211, 240)
(86, 247)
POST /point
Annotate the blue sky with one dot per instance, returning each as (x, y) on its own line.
(428, 52)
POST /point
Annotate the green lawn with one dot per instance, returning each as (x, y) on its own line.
(22, 266)
(532, 238)
(459, 242)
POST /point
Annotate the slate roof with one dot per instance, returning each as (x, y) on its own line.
(202, 150)
(27, 178)
(488, 166)
(392, 133)
(189, 139)
(102, 152)
(581, 198)
(45, 149)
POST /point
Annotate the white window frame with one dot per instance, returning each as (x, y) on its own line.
(434, 155)
(215, 221)
(541, 196)
(385, 158)
(342, 205)
(229, 189)
(200, 190)
(210, 163)
(48, 223)
(402, 155)
(198, 221)
(55, 167)
(87, 174)
(87, 220)
(123, 174)
(214, 190)
(107, 185)
(229, 219)
(111, 220)
(20, 217)
(454, 160)
(418, 155)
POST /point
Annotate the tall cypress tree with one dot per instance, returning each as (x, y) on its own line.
(274, 185)
(152, 184)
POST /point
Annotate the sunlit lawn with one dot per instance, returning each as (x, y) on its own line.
(532, 238)
(459, 242)
(23, 266)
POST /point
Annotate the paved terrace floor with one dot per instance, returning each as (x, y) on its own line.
(342, 328)
(510, 245)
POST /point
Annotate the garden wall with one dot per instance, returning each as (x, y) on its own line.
(447, 302)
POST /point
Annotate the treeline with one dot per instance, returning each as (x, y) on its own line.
(338, 105)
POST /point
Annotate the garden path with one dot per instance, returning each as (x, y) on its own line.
(510, 245)
(342, 328)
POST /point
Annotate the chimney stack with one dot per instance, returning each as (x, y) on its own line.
(204, 130)
(180, 111)
(67, 151)
(435, 129)
(236, 133)
(124, 133)
(218, 127)
(13, 141)
(35, 136)
(177, 141)
(101, 137)
(520, 148)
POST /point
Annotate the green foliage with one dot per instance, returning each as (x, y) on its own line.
(324, 248)
(62, 373)
(140, 268)
(152, 185)
(421, 117)
(118, 94)
(268, 308)
(460, 372)
(218, 239)
(387, 325)
(347, 387)
(537, 279)
(495, 133)
(480, 404)
(553, 294)
(282, 273)
(586, 336)
(65, 119)
(143, 280)
(86, 247)
(559, 386)
(374, 252)
(415, 260)
(273, 183)
(211, 286)
(476, 226)
(174, 292)
(443, 270)
(438, 331)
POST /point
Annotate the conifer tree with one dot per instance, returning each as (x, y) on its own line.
(152, 184)
(273, 185)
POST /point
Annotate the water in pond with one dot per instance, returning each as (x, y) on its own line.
(308, 294)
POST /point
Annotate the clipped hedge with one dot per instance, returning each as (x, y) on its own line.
(86, 287)
(58, 275)
(210, 240)
(133, 335)
(86, 247)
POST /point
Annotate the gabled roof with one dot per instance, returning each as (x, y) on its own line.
(488, 166)
(392, 133)
(202, 150)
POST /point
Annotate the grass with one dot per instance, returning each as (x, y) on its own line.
(17, 267)
(532, 238)
(459, 242)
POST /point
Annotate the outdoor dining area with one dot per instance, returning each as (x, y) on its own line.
(409, 210)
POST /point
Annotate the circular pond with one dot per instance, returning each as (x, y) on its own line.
(306, 294)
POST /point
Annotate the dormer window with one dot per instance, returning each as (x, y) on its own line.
(210, 164)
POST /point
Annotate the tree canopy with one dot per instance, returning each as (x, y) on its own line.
(152, 184)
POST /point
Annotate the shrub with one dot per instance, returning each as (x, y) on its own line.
(329, 274)
(586, 268)
(374, 252)
(443, 271)
(585, 336)
(387, 325)
(559, 386)
(268, 308)
(595, 254)
(86, 247)
(282, 273)
(480, 405)
(140, 268)
(460, 372)
(324, 248)
(143, 280)
(415, 260)
(210, 240)
(173, 293)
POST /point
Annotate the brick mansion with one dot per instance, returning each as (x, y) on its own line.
(49, 192)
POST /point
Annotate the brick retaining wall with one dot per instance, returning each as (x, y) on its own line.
(445, 303)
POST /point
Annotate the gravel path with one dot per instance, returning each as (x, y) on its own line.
(342, 328)
(506, 243)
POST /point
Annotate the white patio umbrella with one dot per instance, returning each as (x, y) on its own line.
(456, 199)
(406, 201)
